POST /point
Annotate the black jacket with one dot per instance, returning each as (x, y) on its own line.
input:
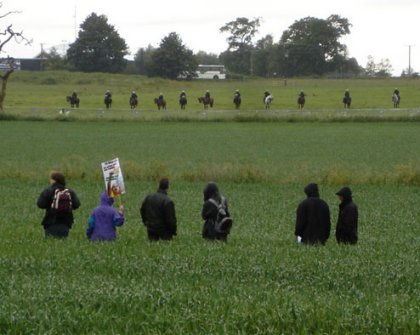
(44, 201)
(313, 222)
(158, 213)
(346, 229)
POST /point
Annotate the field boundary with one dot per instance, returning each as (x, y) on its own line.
(273, 115)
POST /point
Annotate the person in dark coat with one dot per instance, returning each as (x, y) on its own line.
(209, 213)
(346, 229)
(313, 221)
(158, 213)
(56, 225)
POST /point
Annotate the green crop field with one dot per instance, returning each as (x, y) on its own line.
(260, 282)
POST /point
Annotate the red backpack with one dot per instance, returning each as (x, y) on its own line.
(62, 203)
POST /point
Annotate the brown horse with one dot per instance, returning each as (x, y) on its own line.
(160, 103)
(206, 102)
(301, 101)
(74, 101)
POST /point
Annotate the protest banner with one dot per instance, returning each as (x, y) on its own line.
(114, 181)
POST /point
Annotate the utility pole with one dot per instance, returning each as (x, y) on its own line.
(409, 61)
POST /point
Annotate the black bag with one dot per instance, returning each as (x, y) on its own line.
(223, 222)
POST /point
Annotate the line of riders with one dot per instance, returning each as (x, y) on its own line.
(208, 101)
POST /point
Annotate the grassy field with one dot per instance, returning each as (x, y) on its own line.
(39, 92)
(260, 282)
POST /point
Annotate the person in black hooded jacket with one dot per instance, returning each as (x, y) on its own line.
(346, 229)
(56, 226)
(157, 212)
(312, 218)
(209, 213)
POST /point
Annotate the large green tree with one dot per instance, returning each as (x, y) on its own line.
(264, 57)
(238, 57)
(143, 60)
(98, 47)
(172, 59)
(309, 46)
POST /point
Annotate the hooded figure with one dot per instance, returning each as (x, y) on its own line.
(210, 211)
(313, 217)
(346, 229)
(157, 212)
(104, 220)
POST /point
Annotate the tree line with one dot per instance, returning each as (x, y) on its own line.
(309, 47)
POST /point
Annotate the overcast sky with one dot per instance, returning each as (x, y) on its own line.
(381, 28)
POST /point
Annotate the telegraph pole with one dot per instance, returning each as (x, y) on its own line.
(409, 60)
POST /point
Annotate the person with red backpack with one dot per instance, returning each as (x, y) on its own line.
(59, 203)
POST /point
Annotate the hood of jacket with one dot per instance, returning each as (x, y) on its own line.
(345, 192)
(210, 191)
(311, 190)
(105, 200)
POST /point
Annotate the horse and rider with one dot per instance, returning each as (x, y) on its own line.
(237, 99)
(133, 100)
(183, 99)
(73, 99)
(301, 100)
(347, 99)
(396, 98)
(267, 99)
(160, 101)
(206, 100)
(108, 99)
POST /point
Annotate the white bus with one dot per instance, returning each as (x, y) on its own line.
(211, 72)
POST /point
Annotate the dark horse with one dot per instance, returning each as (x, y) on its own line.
(301, 101)
(347, 101)
(183, 101)
(160, 103)
(237, 101)
(108, 101)
(133, 102)
(74, 101)
(396, 100)
(206, 102)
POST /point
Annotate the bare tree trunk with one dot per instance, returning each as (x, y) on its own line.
(4, 78)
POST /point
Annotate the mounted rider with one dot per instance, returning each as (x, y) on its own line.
(347, 98)
(397, 93)
(182, 96)
(74, 96)
(160, 97)
(133, 95)
(301, 95)
(207, 94)
(237, 95)
(266, 94)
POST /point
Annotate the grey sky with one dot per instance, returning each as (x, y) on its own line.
(381, 28)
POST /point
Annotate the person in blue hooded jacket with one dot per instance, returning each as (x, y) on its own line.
(104, 220)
